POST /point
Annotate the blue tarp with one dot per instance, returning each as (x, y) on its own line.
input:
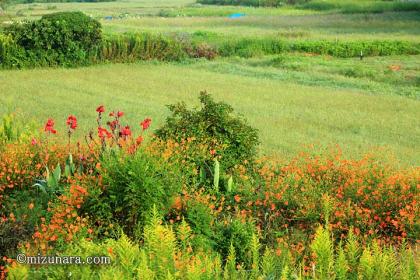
(236, 15)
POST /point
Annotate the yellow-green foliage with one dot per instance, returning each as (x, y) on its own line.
(268, 264)
(230, 267)
(352, 250)
(341, 266)
(255, 253)
(323, 248)
(409, 267)
(166, 254)
(160, 243)
(366, 270)
(12, 129)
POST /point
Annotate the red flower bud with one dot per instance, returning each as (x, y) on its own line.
(100, 109)
(126, 131)
(49, 126)
(71, 122)
(146, 123)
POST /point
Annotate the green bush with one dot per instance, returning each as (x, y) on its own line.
(65, 38)
(11, 54)
(215, 121)
(132, 186)
(239, 234)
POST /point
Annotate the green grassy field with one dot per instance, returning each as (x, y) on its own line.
(293, 99)
(288, 115)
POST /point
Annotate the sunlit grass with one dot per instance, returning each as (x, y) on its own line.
(288, 115)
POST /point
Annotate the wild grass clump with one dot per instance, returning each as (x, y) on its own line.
(134, 47)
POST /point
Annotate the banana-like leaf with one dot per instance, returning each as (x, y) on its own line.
(216, 175)
(57, 173)
(230, 184)
(202, 175)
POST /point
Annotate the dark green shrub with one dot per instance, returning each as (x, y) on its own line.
(132, 186)
(74, 28)
(239, 234)
(200, 218)
(65, 38)
(215, 122)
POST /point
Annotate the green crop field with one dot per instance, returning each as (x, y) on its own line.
(289, 115)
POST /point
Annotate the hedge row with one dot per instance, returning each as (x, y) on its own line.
(355, 6)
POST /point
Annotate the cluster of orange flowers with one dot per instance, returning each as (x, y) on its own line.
(377, 201)
(64, 222)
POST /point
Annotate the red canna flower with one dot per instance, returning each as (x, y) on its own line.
(100, 109)
(71, 122)
(126, 131)
(146, 123)
(49, 126)
(34, 142)
(111, 114)
(120, 114)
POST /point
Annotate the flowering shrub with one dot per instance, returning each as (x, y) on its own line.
(131, 186)
(215, 122)
(48, 209)
(263, 222)
(375, 200)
